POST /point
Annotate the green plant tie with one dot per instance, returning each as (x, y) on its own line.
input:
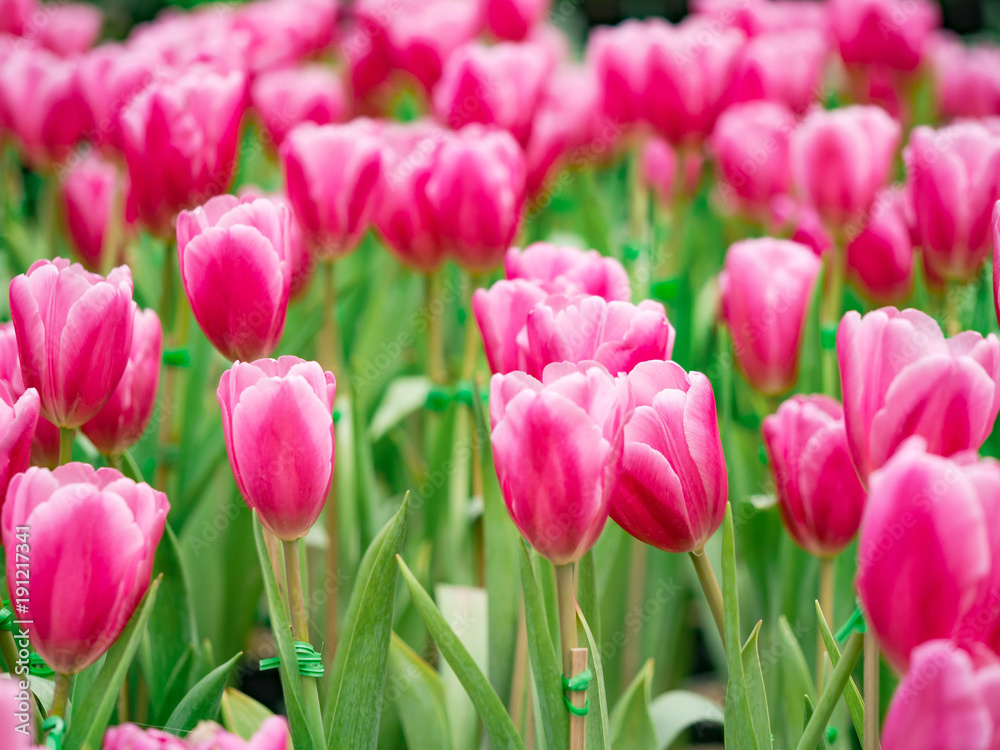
(176, 358)
(38, 667)
(632, 250)
(440, 397)
(828, 336)
(6, 619)
(577, 684)
(667, 289)
(309, 660)
(55, 727)
(831, 735)
(856, 622)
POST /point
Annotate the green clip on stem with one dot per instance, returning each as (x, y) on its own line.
(855, 622)
(38, 667)
(578, 684)
(55, 727)
(828, 337)
(6, 619)
(310, 662)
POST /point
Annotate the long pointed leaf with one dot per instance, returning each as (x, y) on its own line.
(852, 696)
(631, 724)
(598, 732)
(204, 700)
(419, 695)
(756, 694)
(241, 714)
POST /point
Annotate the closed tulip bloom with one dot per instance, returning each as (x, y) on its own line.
(180, 136)
(302, 262)
(954, 180)
(880, 256)
(888, 33)
(619, 57)
(673, 487)
(785, 67)
(425, 35)
(272, 735)
(124, 418)
(70, 28)
(74, 334)
(236, 268)
(93, 537)
(968, 78)
(803, 222)
(45, 444)
(569, 270)
(132, 737)
(900, 377)
(757, 17)
(282, 32)
(277, 418)
(944, 702)
(501, 313)
(477, 195)
(311, 93)
(658, 162)
(750, 147)
(88, 194)
(18, 418)
(332, 177)
(557, 446)
(819, 494)
(842, 157)
(766, 286)
(512, 19)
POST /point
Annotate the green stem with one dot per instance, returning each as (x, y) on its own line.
(872, 708)
(66, 435)
(566, 593)
(436, 369)
(813, 734)
(952, 302)
(61, 694)
(826, 604)
(710, 585)
(833, 298)
(300, 630)
(9, 649)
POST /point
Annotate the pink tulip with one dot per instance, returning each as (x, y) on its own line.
(658, 162)
(205, 40)
(132, 737)
(332, 176)
(802, 222)
(16, 16)
(757, 17)
(282, 32)
(888, 33)
(968, 78)
(425, 36)
(17, 709)
(880, 256)
(619, 57)
(302, 262)
(819, 494)
(512, 19)
(673, 488)
(954, 180)
(124, 418)
(92, 538)
(557, 446)
(766, 286)
(750, 146)
(366, 45)
(900, 377)
(284, 98)
(477, 194)
(18, 419)
(277, 418)
(501, 313)
(180, 136)
(74, 333)
(995, 222)
(944, 702)
(88, 199)
(70, 28)
(785, 67)
(841, 157)
(272, 735)
(569, 270)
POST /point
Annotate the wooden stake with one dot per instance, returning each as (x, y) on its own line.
(577, 724)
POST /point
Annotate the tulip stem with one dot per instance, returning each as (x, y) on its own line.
(710, 585)
(826, 604)
(9, 650)
(66, 435)
(566, 592)
(952, 302)
(300, 627)
(436, 369)
(872, 706)
(61, 694)
(833, 298)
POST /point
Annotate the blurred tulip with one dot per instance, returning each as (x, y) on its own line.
(477, 194)
(282, 32)
(750, 146)
(786, 67)
(944, 702)
(74, 334)
(619, 58)
(88, 200)
(45, 444)
(569, 270)
(236, 267)
(900, 377)
(93, 536)
(579, 328)
(819, 494)
(889, 33)
(272, 735)
(841, 157)
(501, 313)
(425, 36)
(802, 221)
(124, 418)
(302, 262)
(332, 176)
(658, 162)
(132, 737)
(995, 223)
(954, 180)
(204, 40)
(880, 256)
(967, 78)
(285, 98)
(673, 488)
(18, 419)
(766, 286)
(70, 28)
(512, 19)
(757, 17)
(15, 16)
(557, 446)
(16, 712)
(277, 418)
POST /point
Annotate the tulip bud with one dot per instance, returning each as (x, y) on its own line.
(332, 175)
(785, 67)
(501, 313)
(673, 487)
(425, 35)
(74, 334)
(277, 419)
(280, 33)
(758, 17)
(513, 19)
(88, 197)
(285, 98)
(15, 16)
(302, 262)
(124, 418)
(819, 494)
(569, 270)
(954, 180)
(70, 29)
(880, 256)
(18, 418)
(889, 33)
(557, 446)
(658, 162)
(900, 377)
(766, 286)
(619, 56)
(236, 268)
(92, 536)
(968, 78)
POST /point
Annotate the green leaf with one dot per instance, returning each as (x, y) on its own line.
(90, 719)
(852, 696)
(545, 666)
(490, 708)
(241, 714)
(202, 703)
(305, 735)
(177, 685)
(597, 719)
(756, 694)
(130, 468)
(357, 677)
(464, 607)
(677, 710)
(631, 724)
(795, 682)
(586, 593)
(831, 694)
(418, 693)
(403, 397)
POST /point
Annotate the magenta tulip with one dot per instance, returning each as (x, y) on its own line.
(16, 16)
(124, 418)
(819, 494)
(619, 58)
(282, 32)
(900, 377)
(285, 98)
(954, 179)
(841, 157)
(302, 262)
(74, 334)
(332, 176)
(569, 270)
(180, 136)
(659, 163)
(272, 735)
(18, 420)
(995, 223)
(501, 313)
(888, 33)
(785, 67)
(92, 536)
(70, 29)
(557, 446)
(513, 19)
(802, 222)
(236, 267)
(757, 17)
(132, 737)
(968, 78)
(579, 328)
(425, 35)
(88, 197)
(673, 487)
(766, 286)
(880, 257)
(277, 418)
(45, 444)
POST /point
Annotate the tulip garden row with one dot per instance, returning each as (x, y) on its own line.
(423, 373)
